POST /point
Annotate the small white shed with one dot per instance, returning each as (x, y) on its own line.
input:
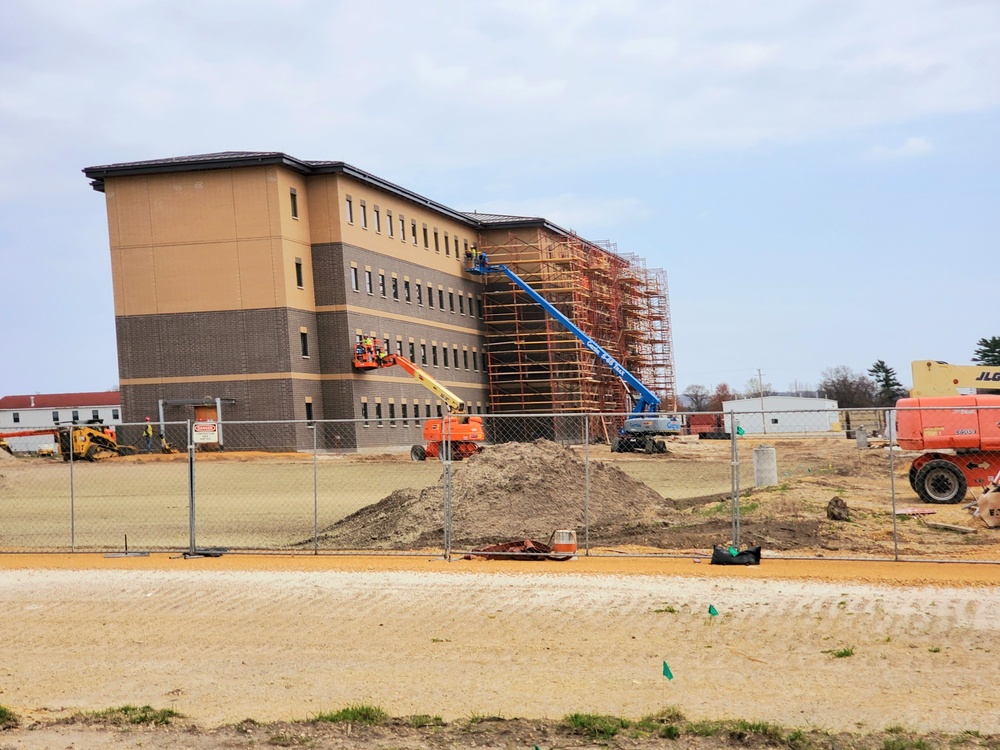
(777, 414)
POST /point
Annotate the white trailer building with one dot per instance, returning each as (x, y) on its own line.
(769, 415)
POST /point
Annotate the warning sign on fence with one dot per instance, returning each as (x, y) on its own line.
(206, 432)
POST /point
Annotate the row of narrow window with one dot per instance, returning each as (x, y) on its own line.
(94, 414)
(448, 244)
(422, 350)
(415, 292)
(404, 415)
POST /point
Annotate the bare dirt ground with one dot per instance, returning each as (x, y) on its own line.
(855, 653)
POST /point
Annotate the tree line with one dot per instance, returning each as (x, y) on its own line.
(878, 387)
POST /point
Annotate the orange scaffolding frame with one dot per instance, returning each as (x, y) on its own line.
(536, 365)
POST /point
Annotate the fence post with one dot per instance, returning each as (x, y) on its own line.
(314, 428)
(445, 459)
(586, 485)
(72, 496)
(191, 493)
(892, 495)
(735, 480)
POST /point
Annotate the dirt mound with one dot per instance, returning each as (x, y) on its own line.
(510, 491)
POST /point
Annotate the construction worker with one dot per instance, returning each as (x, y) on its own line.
(148, 434)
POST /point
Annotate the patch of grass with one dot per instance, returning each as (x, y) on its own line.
(718, 509)
(840, 653)
(359, 713)
(8, 719)
(668, 609)
(741, 731)
(129, 714)
(903, 743)
(419, 721)
(666, 723)
(705, 728)
(935, 649)
(895, 729)
(596, 726)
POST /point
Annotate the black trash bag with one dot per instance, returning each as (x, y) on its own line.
(722, 556)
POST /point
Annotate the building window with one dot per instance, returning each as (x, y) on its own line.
(430, 296)
(465, 246)
(55, 416)
(395, 288)
(406, 290)
(439, 411)
(434, 356)
(304, 342)
(454, 351)
(354, 278)
(441, 298)
(364, 412)
(364, 215)
(309, 412)
(381, 284)
(451, 301)
(444, 354)
(413, 230)
(461, 304)
(437, 243)
(447, 245)
(402, 408)
(423, 354)
(95, 414)
(76, 416)
(465, 358)
(475, 360)
(368, 281)
(456, 245)
(392, 414)
(402, 228)
(350, 210)
(413, 353)
(17, 417)
(420, 294)
(427, 410)
(388, 223)
(427, 245)
(479, 304)
(298, 272)
(295, 203)
(378, 413)
(378, 219)
(114, 414)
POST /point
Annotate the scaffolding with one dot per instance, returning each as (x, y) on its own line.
(536, 365)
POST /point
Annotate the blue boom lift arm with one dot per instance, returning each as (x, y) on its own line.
(642, 419)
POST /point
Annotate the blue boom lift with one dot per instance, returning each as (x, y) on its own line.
(643, 423)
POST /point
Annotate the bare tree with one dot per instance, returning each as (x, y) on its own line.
(849, 389)
(755, 388)
(698, 396)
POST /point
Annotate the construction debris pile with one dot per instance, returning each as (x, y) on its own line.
(510, 491)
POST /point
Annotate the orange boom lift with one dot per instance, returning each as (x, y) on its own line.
(464, 432)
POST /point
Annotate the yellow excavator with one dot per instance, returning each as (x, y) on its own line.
(85, 442)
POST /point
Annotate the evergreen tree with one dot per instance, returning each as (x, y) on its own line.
(988, 352)
(890, 390)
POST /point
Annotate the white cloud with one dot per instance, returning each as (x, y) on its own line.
(911, 148)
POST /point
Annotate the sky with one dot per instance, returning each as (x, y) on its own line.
(819, 179)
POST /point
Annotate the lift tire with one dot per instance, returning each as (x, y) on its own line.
(91, 453)
(417, 453)
(913, 478)
(616, 445)
(940, 482)
(650, 446)
(661, 446)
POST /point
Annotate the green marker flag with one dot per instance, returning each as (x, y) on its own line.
(666, 672)
(740, 431)
(712, 610)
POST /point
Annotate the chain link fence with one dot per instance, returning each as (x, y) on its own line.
(855, 484)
